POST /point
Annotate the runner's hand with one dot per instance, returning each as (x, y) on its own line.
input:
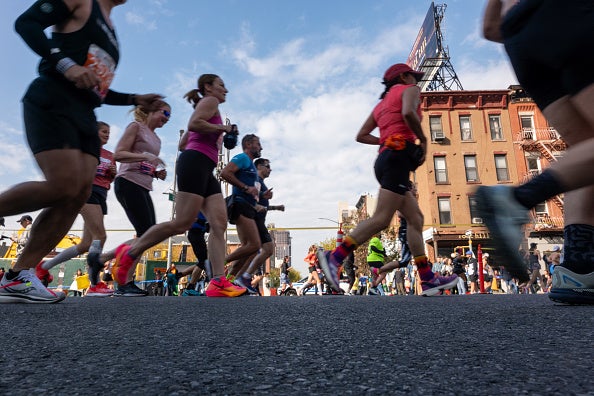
(82, 77)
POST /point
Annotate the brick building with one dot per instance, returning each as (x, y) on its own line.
(481, 138)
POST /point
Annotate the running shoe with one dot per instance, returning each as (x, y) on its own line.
(190, 292)
(123, 263)
(27, 288)
(99, 290)
(221, 287)
(437, 284)
(571, 288)
(373, 291)
(505, 218)
(329, 266)
(130, 290)
(246, 283)
(44, 275)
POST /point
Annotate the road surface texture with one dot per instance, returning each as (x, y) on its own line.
(326, 345)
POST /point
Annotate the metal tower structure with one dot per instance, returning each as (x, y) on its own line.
(431, 55)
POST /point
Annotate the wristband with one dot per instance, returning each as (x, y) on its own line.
(244, 188)
(64, 64)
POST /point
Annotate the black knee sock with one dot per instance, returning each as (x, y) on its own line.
(579, 248)
(539, 189)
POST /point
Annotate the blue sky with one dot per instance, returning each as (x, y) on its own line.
(302, 75)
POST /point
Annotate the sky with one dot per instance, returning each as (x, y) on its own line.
(302, 75)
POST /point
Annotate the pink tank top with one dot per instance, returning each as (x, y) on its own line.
(389, 119)
(208, 144)
(140, 173)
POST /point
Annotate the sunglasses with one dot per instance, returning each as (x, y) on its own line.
(166, 113)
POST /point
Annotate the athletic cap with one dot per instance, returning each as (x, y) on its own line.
(25, 217)
(556, 248)
(399, 68)
(469, 252)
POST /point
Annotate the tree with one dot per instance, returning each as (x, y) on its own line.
(274, 277)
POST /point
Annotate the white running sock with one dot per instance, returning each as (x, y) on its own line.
(65, 255)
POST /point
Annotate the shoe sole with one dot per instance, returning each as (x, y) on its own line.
(572, 297)
(219, 293)
(321, 255)
(129, 295)
(514, 263)
(29, 300)
(98, 294)
(436, 290)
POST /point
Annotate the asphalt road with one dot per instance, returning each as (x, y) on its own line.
(328, 345)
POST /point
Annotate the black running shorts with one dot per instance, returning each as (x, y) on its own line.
(549, 43)
(57, 119)
(194, 174)
(392, 170)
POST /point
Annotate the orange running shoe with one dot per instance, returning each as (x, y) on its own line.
(221, 287)
(122, 264)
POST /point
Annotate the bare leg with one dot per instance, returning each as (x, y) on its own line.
(215, 210)
(69, 175)
(249, 237)
(187, 206)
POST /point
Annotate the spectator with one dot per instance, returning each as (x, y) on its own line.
(22, 236)
(284, 274)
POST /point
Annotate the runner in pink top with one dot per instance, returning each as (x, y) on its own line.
(198, 189)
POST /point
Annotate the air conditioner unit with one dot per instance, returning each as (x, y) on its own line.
(477, 220)
(438, 136)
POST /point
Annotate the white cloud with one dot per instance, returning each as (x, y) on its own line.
(139, 20)
(490, 74)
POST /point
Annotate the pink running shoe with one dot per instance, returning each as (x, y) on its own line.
(122, 264)
(221, 287)
(437, 284)
(99, 290)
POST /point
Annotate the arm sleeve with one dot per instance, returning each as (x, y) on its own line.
(118, 99)
(375, 249)
(31, 24)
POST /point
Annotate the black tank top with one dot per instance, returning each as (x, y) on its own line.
(94, 46)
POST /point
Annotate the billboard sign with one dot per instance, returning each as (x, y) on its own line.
(425, 45)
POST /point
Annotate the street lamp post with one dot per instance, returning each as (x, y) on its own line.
(339, 233)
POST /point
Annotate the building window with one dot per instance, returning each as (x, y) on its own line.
(474, 217)
(445, 213)
(436, 129)
(541, 209)
(495, 127)
(465, 128)
(441, 171)
(527, 123)
(501, 167)
(471, 170)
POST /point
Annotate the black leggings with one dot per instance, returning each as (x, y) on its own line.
(137, 203)
(196, 239)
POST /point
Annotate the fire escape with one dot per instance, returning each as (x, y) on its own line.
(545, 142)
